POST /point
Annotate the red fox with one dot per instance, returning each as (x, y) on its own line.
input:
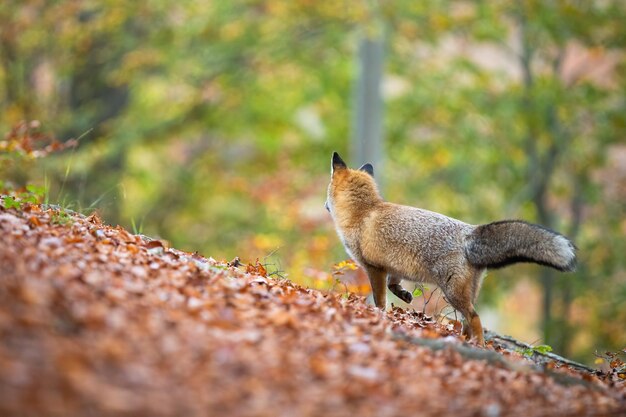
(394, 242)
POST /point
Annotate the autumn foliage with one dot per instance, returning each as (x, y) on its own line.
(95, 320)
(27, 139)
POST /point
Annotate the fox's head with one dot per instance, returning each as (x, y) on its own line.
(350, 190)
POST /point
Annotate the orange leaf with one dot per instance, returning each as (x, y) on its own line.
(154, 244)
(256, 269)
(73, 239)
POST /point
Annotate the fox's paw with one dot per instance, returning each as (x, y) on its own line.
(401, 293)
(405, 296)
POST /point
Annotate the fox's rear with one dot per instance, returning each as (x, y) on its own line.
(393, 242)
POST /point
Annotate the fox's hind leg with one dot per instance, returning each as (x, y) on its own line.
(460, 292)
(393, 283)
(472, 327)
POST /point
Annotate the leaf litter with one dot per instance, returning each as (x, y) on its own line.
(97, 321)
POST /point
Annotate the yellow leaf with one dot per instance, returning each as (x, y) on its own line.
(347, 264)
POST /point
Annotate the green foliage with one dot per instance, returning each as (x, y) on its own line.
(541, 349)
(418, 291)
(31, 194)
(24, 143)
(61, 217)
(10, 202)
(36, 191)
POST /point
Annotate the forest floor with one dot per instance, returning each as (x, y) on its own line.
(96, 321)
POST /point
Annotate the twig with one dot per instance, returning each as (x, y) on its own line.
(428, 301)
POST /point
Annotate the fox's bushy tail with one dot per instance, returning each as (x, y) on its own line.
(502, 243)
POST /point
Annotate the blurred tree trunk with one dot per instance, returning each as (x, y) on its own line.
(566, 330)
(542, 120)
(367, 128)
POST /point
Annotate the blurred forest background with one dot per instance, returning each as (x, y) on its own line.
(211, 125)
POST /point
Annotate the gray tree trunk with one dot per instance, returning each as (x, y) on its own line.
(367, 122)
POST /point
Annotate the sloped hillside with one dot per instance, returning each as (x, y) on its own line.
(97, 321)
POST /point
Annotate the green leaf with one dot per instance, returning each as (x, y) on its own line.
(28, 198)
(10, 202)
(60, 217)
(417, 292)
(543, 349)
(37, 190)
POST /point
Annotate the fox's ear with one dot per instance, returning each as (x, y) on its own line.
(337, 163)
(368, 168)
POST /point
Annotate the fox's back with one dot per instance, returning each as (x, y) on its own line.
(413, 241)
